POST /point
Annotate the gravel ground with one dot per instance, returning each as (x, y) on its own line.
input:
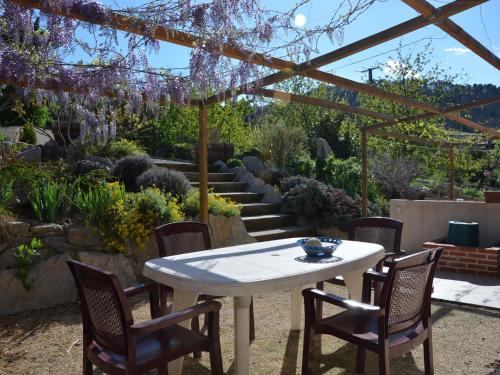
(466, 341)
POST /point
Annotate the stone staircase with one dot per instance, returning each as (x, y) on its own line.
(263, 221)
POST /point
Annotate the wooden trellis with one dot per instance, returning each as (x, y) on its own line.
(287, 69)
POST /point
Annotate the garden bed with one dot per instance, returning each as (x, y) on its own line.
(466, 259)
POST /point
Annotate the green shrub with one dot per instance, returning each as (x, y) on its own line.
(28, 134)
(95, 202)
(6, 193)
(50, 200)
(235, 163)
(167, 180)
(41, 116)
(217, 205)
(302, 164)
(162, 208)
(321, 204)
(128, 168)
(24, 257)
(343, 174)
(279, 143)
(116, 149)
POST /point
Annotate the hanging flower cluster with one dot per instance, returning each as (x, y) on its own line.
(37, 45)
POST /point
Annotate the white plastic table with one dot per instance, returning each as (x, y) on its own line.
(246, 270)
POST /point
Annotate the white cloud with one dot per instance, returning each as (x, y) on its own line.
(396, 68)
(457, 51)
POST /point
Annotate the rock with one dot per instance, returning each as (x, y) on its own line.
(119, 264)
(47, 229)
(140, 256)
(7, 259)
(254, 165)
(221, 166)
(323, 149)
(52, 284)
(30, 155)
(83, 236)
(17, 228)
(58, 244)
(228, 231)
(271, 194)
(104, 162)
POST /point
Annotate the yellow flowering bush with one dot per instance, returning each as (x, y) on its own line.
(128, 216)
(217, 205)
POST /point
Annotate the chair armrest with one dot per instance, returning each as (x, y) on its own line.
(177, 317)
(375, 276)
(343, 302)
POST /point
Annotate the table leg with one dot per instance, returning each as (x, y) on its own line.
(181, 300)
(242, 334)
(354, 283)
(296, 310)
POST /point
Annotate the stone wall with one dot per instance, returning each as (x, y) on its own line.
(49, 276)
(465, 259)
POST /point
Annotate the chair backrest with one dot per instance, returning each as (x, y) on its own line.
(406, 295)
(105, 309)
(182, 237)
(380, 230)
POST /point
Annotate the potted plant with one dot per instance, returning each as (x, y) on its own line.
(217, 150)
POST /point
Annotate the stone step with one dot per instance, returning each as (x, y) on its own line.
(212, 177)
(284, 232)
(264, 222)
(243, 197)
(224, 187)
(255, 209)
(181, 165)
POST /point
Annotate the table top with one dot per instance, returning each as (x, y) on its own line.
(260, 267)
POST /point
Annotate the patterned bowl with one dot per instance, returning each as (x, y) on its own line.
(329, 246)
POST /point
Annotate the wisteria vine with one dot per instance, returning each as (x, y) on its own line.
(36, 50)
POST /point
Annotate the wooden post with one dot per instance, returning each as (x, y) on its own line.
(451, 167)
(203, 163)
(364, 173)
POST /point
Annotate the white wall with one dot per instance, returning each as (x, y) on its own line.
(427, 220)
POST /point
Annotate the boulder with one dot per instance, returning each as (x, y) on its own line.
(83, 236)
(7, 259)
(323, 149)
(119, 264)
(47, 229)
(254, 165)
(53, 151)
(17, 228)
(52, 284)
(221, 166)
(30, 155)
(228, 231)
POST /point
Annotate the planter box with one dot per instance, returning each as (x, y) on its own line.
(216, 151)
(465, 259)
(492, 196)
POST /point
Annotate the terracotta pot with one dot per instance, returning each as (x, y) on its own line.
(492, 196)
(61, 133)
(216, 151)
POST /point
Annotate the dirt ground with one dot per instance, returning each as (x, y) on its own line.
(466, 342)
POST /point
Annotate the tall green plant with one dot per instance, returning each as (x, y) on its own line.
(24, 257)
(6, 193)
(49, 200)
(94, 203)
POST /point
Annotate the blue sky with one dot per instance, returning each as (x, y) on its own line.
(480, 21)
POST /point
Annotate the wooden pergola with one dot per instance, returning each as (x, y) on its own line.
(429, 15)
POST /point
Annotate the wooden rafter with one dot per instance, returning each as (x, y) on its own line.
(287, 97)
(425, 116)
(363, 44)
(450, 27)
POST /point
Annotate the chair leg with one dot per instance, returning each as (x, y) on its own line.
(195, 327)
(384, 367)
(319, 303)
(87, 365)
(428, 360)
(360, 360)
(252, 322)
(308, 351)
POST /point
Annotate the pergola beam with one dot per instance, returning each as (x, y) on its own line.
(353, 48)
(425, 116)
(451, 28)
(410, 138)
(287, 97)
